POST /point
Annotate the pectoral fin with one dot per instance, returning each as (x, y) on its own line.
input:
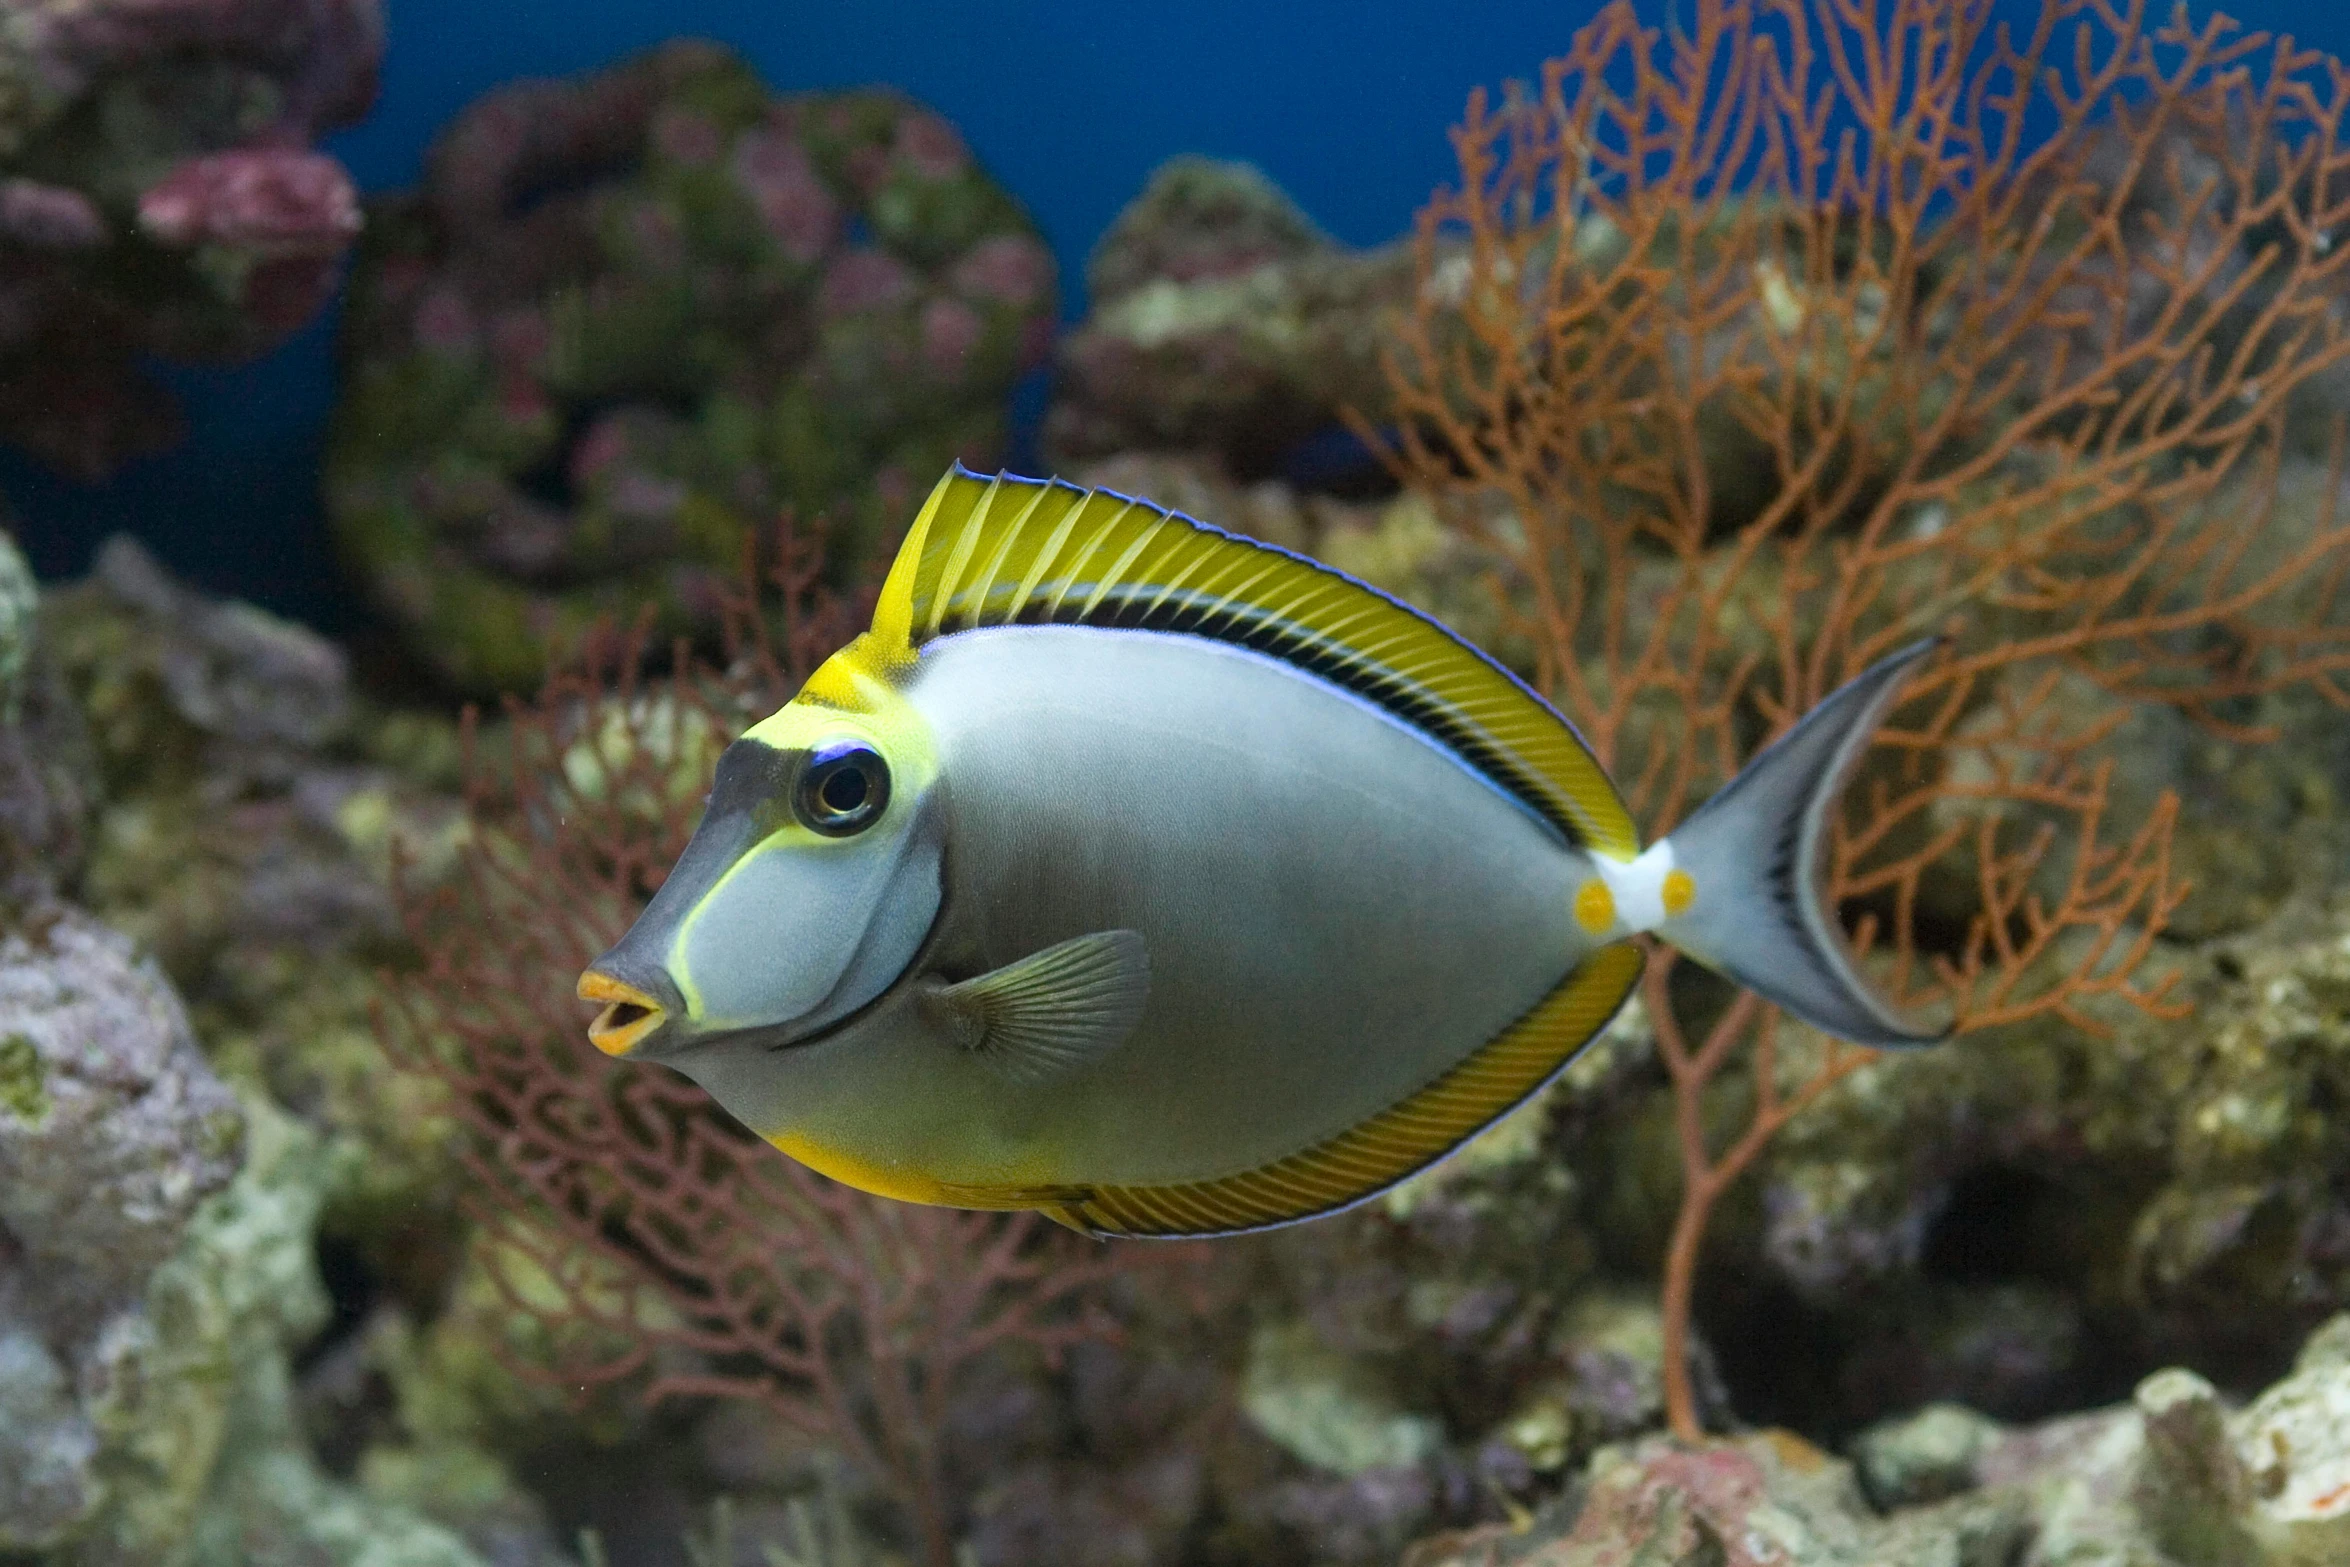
(1053, 1009)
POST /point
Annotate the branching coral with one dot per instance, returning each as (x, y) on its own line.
(640, 1233)
(1753, 349)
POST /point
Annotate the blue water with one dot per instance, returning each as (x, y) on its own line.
(1070, 104)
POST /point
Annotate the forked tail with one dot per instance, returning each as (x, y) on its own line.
(1739, 885)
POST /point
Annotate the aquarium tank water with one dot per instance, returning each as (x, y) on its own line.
(1062, 785)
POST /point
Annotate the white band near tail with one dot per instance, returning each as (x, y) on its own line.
(1739, 884)
(1641, 894)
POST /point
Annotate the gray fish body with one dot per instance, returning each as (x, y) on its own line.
(1336, 909)
(1171, 884)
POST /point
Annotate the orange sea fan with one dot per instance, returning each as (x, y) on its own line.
(1755, 347)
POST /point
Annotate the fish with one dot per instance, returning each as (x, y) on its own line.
(1169, 883)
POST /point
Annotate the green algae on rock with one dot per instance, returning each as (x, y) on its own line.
(19, 598)
(48, 773)
(2173, 1478)
(251, 805)
(213, 1471)
(114, 1132)
(630, 317)
(1223, 321)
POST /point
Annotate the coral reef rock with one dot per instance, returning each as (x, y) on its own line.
(1769, 1500)
(240, 804)
(631, 316)
(251, 808)
(253, 1270)
(48, 777)
(113, 1131)
(1222, 320)
(158, 197)
(2027, 1221)
(2174, 1478)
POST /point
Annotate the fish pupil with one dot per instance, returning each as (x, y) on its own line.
(846, 789)
(843, 791)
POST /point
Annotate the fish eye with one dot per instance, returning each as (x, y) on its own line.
(844, 790)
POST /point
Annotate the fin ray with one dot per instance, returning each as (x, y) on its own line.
(1053, 1009)
(1009, 551)
(1373, 1156)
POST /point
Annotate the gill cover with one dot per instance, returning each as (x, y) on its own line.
(805, 892)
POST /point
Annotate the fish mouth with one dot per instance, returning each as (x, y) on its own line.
(628, 1016)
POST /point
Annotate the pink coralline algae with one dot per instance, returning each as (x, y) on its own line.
(633, 316)
(271, 200)
(791, 197)
(49, 217)
(931, 147)
(208, 198)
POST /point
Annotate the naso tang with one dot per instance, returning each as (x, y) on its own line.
(1174, 884)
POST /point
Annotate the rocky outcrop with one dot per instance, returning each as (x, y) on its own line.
(631, 316)
(158, 197)
(1224, 321)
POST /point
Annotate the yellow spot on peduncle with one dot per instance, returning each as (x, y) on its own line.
(1680, 891)
(1595, 907)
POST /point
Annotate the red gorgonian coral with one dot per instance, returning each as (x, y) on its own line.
(640, 1231)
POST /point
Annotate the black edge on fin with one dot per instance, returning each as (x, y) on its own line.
(1755, 853)
(1367, 1159)
(1013, 551)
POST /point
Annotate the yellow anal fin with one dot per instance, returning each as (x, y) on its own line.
(1369, 1158)
(1009, 551)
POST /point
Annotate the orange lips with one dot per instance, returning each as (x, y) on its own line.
(628, 1016)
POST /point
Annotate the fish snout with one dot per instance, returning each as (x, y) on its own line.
(629, 1013)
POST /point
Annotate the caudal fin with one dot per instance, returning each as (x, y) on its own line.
(1754, 905)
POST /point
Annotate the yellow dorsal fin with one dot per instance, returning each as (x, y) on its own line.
(1366, 1159)
(1009, 551)
(893, 613)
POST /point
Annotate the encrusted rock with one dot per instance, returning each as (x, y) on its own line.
(2292, 1447)
(2027, 1220)
(234, 671)
(19, 598)
(1769, 1500)
(113, 1132)
(1330, 1412)
(1200, 218)
(1923, 1457)
(112, 1126)
(48, 777)
(631, 316)
(250, 1277)
(1223, 321)
(48, 1478)
(157, 198)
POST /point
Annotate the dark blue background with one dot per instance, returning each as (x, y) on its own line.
(1070, 104)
